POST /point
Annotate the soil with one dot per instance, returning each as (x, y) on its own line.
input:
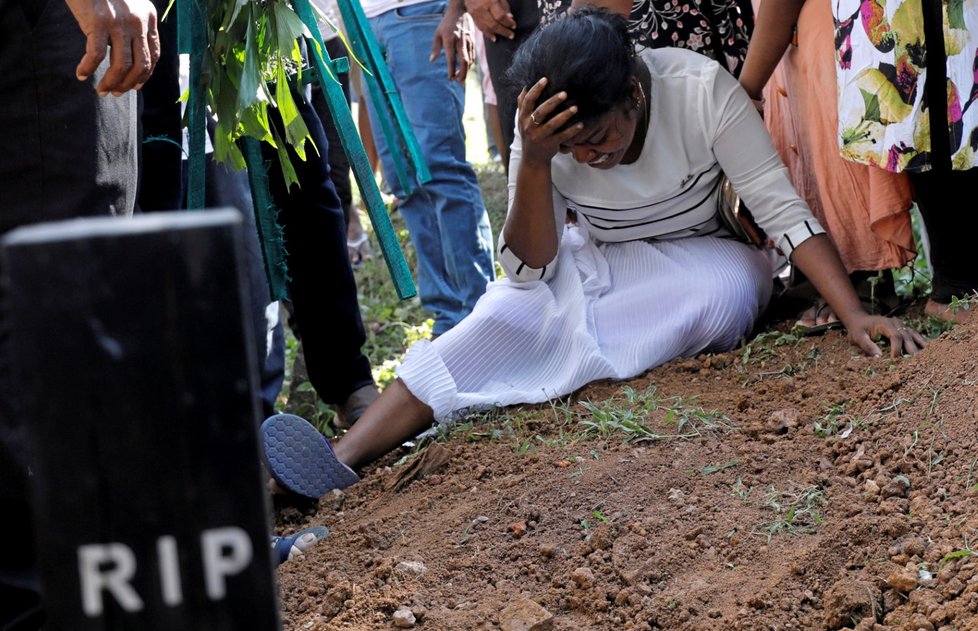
(790, 484)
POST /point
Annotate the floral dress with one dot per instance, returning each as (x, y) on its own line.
(717, 28)
(881, 56)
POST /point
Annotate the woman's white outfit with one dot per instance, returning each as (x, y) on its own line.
(645, 275)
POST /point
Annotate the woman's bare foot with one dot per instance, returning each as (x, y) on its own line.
(357, 243)
(944, 312)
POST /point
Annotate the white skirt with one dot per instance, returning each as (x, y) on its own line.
(611, 311)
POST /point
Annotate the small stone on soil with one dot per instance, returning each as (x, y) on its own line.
(404, 618)
(525, 615)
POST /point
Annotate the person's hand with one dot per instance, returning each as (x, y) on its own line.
(492, 17)
(454, 35)
(129, 28)
(544, 127)
(904, 340)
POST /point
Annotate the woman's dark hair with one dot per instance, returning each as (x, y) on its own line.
(588, 53)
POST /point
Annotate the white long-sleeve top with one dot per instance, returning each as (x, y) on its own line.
(701, 124)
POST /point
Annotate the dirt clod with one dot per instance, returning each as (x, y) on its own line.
(525, 615)
(849, 600)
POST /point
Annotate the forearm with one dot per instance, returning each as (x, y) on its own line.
(773, 30)
(820, 262)
(531, 231)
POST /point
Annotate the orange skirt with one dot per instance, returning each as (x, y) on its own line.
(864, 209)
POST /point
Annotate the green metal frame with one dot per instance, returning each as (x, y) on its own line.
(193, 40)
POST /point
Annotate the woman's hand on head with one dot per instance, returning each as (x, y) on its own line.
(866, 328)
(543, 126)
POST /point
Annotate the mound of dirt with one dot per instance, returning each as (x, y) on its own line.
(791, 484)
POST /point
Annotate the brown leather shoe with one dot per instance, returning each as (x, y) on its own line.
(355, 405)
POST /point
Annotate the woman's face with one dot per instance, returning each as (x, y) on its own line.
(604, 142)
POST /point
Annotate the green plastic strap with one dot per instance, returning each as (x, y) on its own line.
(366, 48)
(342, 118)
(183, 32)
(393, 139)
(269, 231)
(196, 104)
(357, 36)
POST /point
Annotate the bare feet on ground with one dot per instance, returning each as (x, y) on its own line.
(945, 312)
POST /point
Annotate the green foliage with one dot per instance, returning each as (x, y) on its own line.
(588, 526)
(313, 409)
(913, 279)
(836, 421)
(963, 303)
(962, 553)
(796, 511)
(630, 417)
(762, 347)
(251, 57)
(717, 468)
(741, 490)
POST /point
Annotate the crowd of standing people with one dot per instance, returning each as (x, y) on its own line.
(616, 252)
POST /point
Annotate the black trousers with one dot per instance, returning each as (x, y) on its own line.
(161, 133)
(950, 228)
(321, 286)
(64, 152)
(339, 164)
(499, 56)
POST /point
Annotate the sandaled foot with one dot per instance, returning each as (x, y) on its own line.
(359, 250)
(300, 459)
(288, 547)
(818, 318)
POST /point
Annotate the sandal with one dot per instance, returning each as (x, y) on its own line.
(288, 547)
(300, 459)
(359, 250)
(816, 328)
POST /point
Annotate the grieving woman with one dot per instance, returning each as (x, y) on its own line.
(616, 257)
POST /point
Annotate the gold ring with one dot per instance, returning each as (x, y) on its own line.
(533, 118)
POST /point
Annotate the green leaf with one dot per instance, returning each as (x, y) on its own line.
(232, 15)
(254, 123)
(252, 88)
(288, 26)
(296, 132)
(288, 171)
(716, 468)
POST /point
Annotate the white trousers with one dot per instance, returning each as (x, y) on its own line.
(611, 311)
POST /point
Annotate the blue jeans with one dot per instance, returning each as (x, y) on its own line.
(446, 217)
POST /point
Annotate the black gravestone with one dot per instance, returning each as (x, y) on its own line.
(137, 393)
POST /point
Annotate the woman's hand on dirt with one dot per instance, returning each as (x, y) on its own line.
(904, 340)
(543, 127)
